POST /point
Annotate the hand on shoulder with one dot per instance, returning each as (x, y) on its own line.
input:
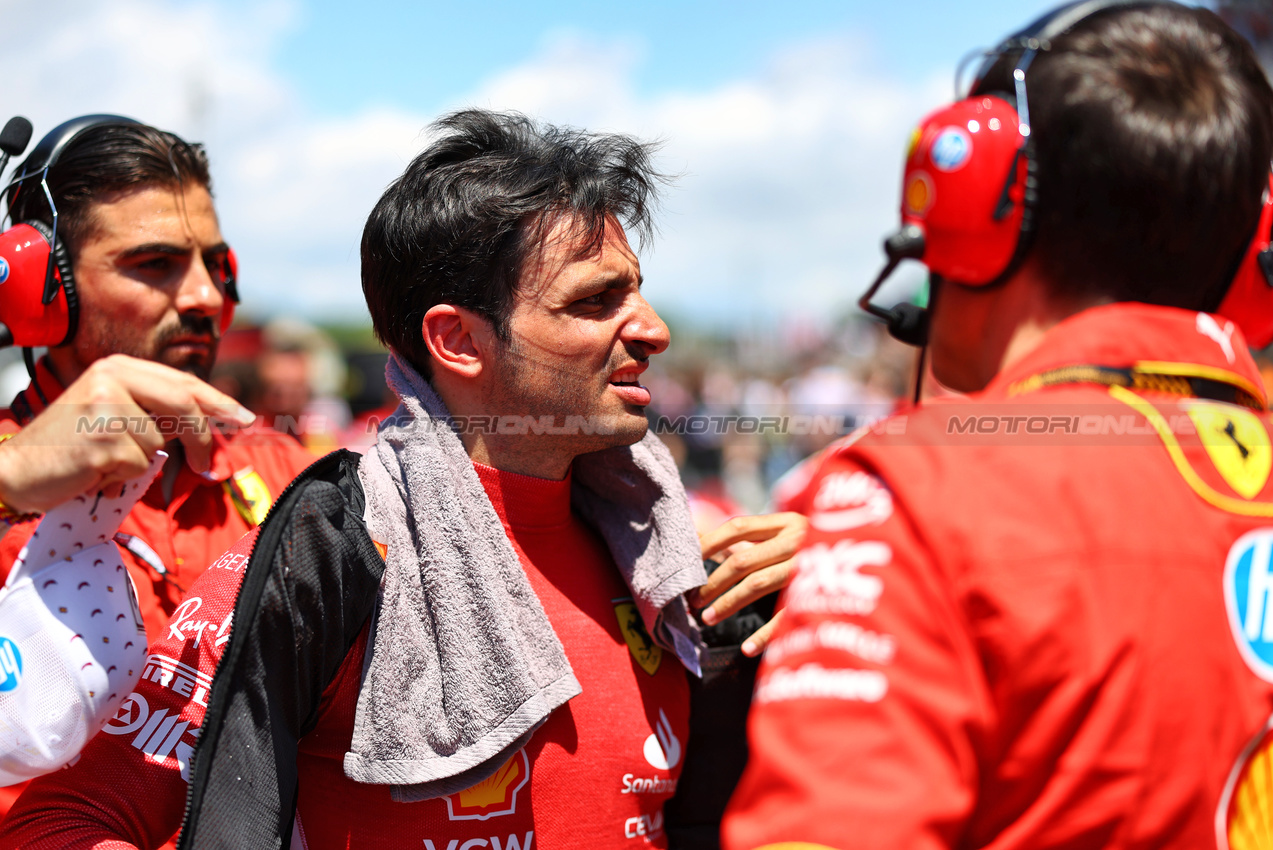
(761, 552)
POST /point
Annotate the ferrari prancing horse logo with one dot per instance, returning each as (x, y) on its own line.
(647, 653)
(1237, 443)
(249, 494)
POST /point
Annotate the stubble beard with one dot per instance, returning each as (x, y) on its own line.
(525, 386)
(108, 340)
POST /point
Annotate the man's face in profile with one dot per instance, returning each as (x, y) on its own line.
(581, 335)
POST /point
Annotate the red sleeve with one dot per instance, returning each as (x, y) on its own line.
(870, 699)
(7, 553)
(128, 788)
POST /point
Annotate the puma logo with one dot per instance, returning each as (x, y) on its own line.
(1223, 337)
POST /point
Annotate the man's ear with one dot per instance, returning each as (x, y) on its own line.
(459, 340)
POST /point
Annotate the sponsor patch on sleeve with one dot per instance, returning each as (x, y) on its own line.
(813, 681)
(1248, 599)
(829, 579)
(848, 500)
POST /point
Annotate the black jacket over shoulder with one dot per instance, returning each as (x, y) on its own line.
(309, 588)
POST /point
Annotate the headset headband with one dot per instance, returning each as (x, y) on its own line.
(46, 153)
(1039, 33)
(43, 158)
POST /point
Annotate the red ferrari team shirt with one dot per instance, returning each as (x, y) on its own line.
(595, 775)
(167, 547)
(1038, 618)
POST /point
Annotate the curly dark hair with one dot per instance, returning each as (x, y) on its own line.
(458, 225)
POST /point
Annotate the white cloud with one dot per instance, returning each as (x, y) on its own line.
(186, 66)
(788, 177)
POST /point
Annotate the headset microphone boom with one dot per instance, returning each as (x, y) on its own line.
(13, 139)
(969, 190)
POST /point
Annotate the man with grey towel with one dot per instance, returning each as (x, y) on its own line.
(474, 635)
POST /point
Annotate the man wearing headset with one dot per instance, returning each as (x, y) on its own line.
(136, 219)
(1041, 616)
(148, 265)
(519, 676)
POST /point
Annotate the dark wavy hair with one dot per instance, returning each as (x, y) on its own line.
(1153, 131)
(458, 226)
(107, 159)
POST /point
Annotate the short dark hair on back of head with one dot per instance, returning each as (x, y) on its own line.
(458, 225)
(1153, 131)
(103, 160)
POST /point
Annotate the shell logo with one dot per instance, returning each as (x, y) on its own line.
(493, 796)
(913, 143)
(1245, 818)
(920, 193)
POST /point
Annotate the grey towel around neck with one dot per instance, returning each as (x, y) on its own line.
(462, 664)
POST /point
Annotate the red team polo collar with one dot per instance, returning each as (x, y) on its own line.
(1128, 334)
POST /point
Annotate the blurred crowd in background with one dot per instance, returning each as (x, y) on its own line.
(737, 410)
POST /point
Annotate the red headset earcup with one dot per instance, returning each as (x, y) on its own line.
(230, 287)
(227, 316)
(1249, 301)
(24, 257)
(964, 186)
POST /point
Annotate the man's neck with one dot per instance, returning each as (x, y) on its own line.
(537, 455)
(1029, 333)
(64, 365)
(1026, 338)
(523, 455)
(1022, 311)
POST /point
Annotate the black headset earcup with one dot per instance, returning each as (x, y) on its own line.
(1265, 259)
(63, 259)
(909, 324)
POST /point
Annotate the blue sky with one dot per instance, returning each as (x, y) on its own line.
(421, 55)
(785, 126)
